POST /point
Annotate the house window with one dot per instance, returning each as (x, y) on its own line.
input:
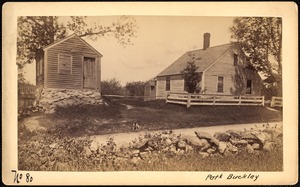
(65, 64)
(235, 59)
(168, 84)
(220, 86)
(152, 88)
(249, 87)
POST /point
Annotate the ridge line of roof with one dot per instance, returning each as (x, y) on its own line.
(71, 36)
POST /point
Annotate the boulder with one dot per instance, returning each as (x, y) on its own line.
(238, 142)
(269, 146)
(205, 144)
(247, 136)
(194, 141)
(224, 137)
(255, 146)
(88, 152)
(168, 142)
(260, 136)
(204, 135)
(135, 152)
(210, 151)
(164, 136)
(222, 147)
(234, 133)
(172, 149)
(140, 144)
(189, 149)
(231, 147)
(203, 154)
(249, 149)
(94, 146)
(181, 144)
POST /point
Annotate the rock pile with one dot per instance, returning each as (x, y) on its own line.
(221, 143)
(52, 98)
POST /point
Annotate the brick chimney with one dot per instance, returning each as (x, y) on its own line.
(206, 40)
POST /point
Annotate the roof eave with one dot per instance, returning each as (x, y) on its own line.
(71, 36)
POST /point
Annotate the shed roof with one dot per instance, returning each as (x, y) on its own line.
(69, 37)
(202, 58)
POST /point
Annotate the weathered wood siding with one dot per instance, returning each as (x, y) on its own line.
(98, 73)
(78, 49)
(235, 76)
(176, 85)
(40, 78)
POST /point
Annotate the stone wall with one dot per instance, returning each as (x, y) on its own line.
(231, 142)
(53, 98)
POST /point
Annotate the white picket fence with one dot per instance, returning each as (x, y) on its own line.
(206, 99)
(276, 102)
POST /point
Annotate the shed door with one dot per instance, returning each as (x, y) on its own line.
(89, 77)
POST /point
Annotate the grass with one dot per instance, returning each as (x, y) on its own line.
(150, 115)
(115, 117)
(265, 161)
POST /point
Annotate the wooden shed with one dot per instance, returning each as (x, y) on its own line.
(150, 90)
(70, 63)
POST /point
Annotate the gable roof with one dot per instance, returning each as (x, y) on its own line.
(69, 37)
(203, 59)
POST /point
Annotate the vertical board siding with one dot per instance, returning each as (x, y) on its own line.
(74, 80)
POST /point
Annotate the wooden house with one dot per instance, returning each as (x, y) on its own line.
(224, 70)
(70, 63)
(149, 90)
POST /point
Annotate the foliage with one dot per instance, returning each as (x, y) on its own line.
(261, 40)
(36, 32)
(123, 29)
(191, 78)
(135, 88)
(111, 87)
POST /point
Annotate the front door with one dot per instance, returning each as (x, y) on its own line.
(89, 77)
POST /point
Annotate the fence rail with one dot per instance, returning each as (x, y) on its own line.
(205, 99)
(276, 102)
(26, 96)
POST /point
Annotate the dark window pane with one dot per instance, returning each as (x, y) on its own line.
(235, 59)
(168, 84)
(220, 84)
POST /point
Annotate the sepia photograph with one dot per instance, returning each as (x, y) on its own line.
(150, 93)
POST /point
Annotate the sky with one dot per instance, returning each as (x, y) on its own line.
(160, 41)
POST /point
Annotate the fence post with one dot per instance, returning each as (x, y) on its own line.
(240, 99)
(188, 102)
(272, 102)
(263, 101)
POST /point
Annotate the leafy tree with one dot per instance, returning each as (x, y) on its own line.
(35, 32)
(111, 87)
(261, 40)
(135, 88)
(191, 77)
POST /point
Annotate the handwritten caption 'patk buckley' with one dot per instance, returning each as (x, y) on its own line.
(232, 177)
